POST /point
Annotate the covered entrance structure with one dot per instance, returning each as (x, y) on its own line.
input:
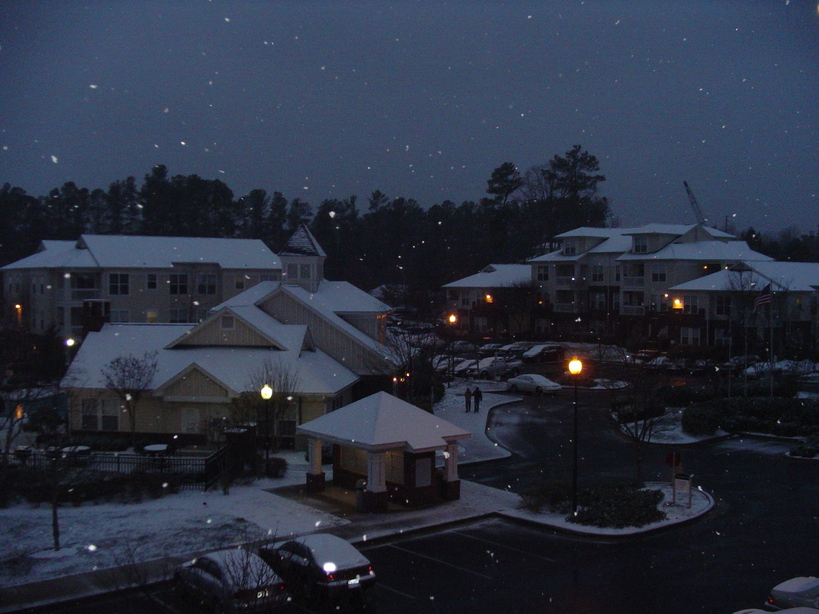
(391, 445)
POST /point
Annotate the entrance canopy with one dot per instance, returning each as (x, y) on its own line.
(382, 422)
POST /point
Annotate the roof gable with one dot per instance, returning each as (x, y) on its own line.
(302, 243)
(384, 422)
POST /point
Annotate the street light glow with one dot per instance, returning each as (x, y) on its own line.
(575, 366)
(266, 392)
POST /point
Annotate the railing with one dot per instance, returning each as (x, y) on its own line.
(192, 472)
(634, 282)
(632, 310)
(563, 307)
(85, 294)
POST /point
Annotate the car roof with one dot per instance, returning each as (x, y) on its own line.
(238, 562)
(328, 548)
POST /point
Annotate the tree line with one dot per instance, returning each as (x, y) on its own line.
(385, 240)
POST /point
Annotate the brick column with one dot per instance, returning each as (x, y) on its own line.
(315, 475)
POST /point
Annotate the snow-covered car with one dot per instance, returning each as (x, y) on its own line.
(796, 592)
(544, 352)
(738, 363)
(232, 580)
(462, 347)
(534, 383)
(321, 569)
(799, 610)
(488, 349)
(494, 367)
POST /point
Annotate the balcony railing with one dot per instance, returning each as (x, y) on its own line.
(632, 310)
(84, 294)
(564, 307)
(634, 282)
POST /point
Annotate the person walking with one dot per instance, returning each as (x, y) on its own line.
(468, 399)
(477, 396)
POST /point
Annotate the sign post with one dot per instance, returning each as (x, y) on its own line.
(682, 484)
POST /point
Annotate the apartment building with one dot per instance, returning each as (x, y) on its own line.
(74, 286)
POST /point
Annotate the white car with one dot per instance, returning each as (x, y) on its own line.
(534, 383)
(491, 367)
(802, 591)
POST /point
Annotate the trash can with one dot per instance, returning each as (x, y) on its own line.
(360, 488)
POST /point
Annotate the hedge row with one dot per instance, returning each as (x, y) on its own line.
(610, 505)
(775, 416)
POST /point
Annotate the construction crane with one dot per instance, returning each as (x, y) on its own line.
(701, 219)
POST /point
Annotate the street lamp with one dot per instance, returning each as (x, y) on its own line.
(267, 394)
(575, 367)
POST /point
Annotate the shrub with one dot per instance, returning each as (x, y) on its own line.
(275, 467)
(618, 506)
(701, 420)
(551, 496)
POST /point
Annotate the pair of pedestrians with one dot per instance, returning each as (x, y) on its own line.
(471, 397)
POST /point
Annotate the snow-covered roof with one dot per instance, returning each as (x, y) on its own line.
(128, 251)
(316, 372)
(328, 548)
(676, 229)
(495, 276)
(784, 276)
(710, 251)
(302, 243)
(383, 422)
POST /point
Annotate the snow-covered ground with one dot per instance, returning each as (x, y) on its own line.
(110, 535)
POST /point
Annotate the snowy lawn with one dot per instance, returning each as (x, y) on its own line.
(110, 534)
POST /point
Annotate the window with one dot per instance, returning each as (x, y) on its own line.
(640, 245)
(269, 277)
(618, 272)
(723, 305)
(179, 283)
(119, 315)
(569, 248)
(691, 303)
(689, 336)
(151, 283)
(305, 271)
(292, 272)
(150, 316)
(206, 283)
(543, 272)
(118, 284)
(658, 273)
(465, 300)
(239, 282)
(597, 273)
(110, 415)
(178, 316)
(89, 420)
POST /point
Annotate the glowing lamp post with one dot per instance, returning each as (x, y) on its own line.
(267, 394)
(575, 367)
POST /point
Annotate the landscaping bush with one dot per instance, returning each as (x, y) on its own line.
(701, 420)
(682, 396)
(618, 506)
(275, 467)
(611, 505)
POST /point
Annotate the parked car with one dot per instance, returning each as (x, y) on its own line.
(738, 363)
(545, 352)
(534, 383)
(488, 349)
(515, 350)
(462, 347)
(796, 592)
(233, 580)
(321, 569)
(492, 366)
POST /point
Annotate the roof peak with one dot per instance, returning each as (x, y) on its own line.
(302, 243)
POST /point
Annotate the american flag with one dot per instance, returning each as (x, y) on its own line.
(764, 297)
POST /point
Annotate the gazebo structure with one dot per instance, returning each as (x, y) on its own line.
(391, 444)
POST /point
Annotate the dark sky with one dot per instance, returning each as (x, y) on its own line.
(321, 99)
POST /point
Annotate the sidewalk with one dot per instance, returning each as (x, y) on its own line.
(289, 510)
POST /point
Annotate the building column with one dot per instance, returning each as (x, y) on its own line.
(376, 496)
(315, 475)
(451, 488)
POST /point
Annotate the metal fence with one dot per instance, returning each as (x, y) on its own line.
(190, 472)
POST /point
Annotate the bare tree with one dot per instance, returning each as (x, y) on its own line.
(637, 407)
(283, 381)
(129, 377)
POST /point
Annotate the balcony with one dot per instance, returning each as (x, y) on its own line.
(564, 307)
(634, 282)
(632, 310)
(85, 294)
(570, 282)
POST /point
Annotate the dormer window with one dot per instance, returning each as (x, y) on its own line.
(640, 245)
(569, 248)
(228, 322)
